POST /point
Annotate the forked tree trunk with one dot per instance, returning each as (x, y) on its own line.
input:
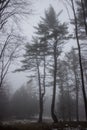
(41, 95)
(54, 85)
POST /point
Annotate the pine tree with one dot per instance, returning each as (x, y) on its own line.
(50, 30)
(34, 57)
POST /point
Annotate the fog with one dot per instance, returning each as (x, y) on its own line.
(43, 64)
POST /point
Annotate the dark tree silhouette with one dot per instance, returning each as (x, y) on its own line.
(51, 30)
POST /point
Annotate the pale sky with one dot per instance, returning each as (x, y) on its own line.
(38, 7)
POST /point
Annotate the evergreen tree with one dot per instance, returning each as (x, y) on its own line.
(51, 30)
(34, 59)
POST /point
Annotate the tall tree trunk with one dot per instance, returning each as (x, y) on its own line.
(62, 102)
(80, 60)
(40, 96)
(85, 74)
(77, 103)
(54, 86)
(41, 110)
(77, 90)
(69, 104)
(44, 77)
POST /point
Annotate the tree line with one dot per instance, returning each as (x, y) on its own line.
(23, 104)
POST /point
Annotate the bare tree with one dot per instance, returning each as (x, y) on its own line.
(11, 11)
(3, 6)
(14, 10)
(8, 54)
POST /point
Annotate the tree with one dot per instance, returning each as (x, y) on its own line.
(80, 59)
(34, 57)
(4, 101)
(65, 105)
(13, 10)
(52, 31)
(65, 84)
(10, 51)
(73, 65)
(10, 13)
(3, 6)
(61, 80)
(82, 15)
(79, 26)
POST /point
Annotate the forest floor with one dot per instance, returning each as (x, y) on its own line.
(81, 125)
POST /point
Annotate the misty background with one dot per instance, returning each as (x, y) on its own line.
(40, 61)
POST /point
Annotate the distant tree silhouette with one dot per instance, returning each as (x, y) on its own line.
(24, 103)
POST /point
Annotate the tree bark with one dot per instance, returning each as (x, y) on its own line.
(54, 86)
(41, 95)
(41, 110)
(62, 102)
(77, 101)
(40, 98)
